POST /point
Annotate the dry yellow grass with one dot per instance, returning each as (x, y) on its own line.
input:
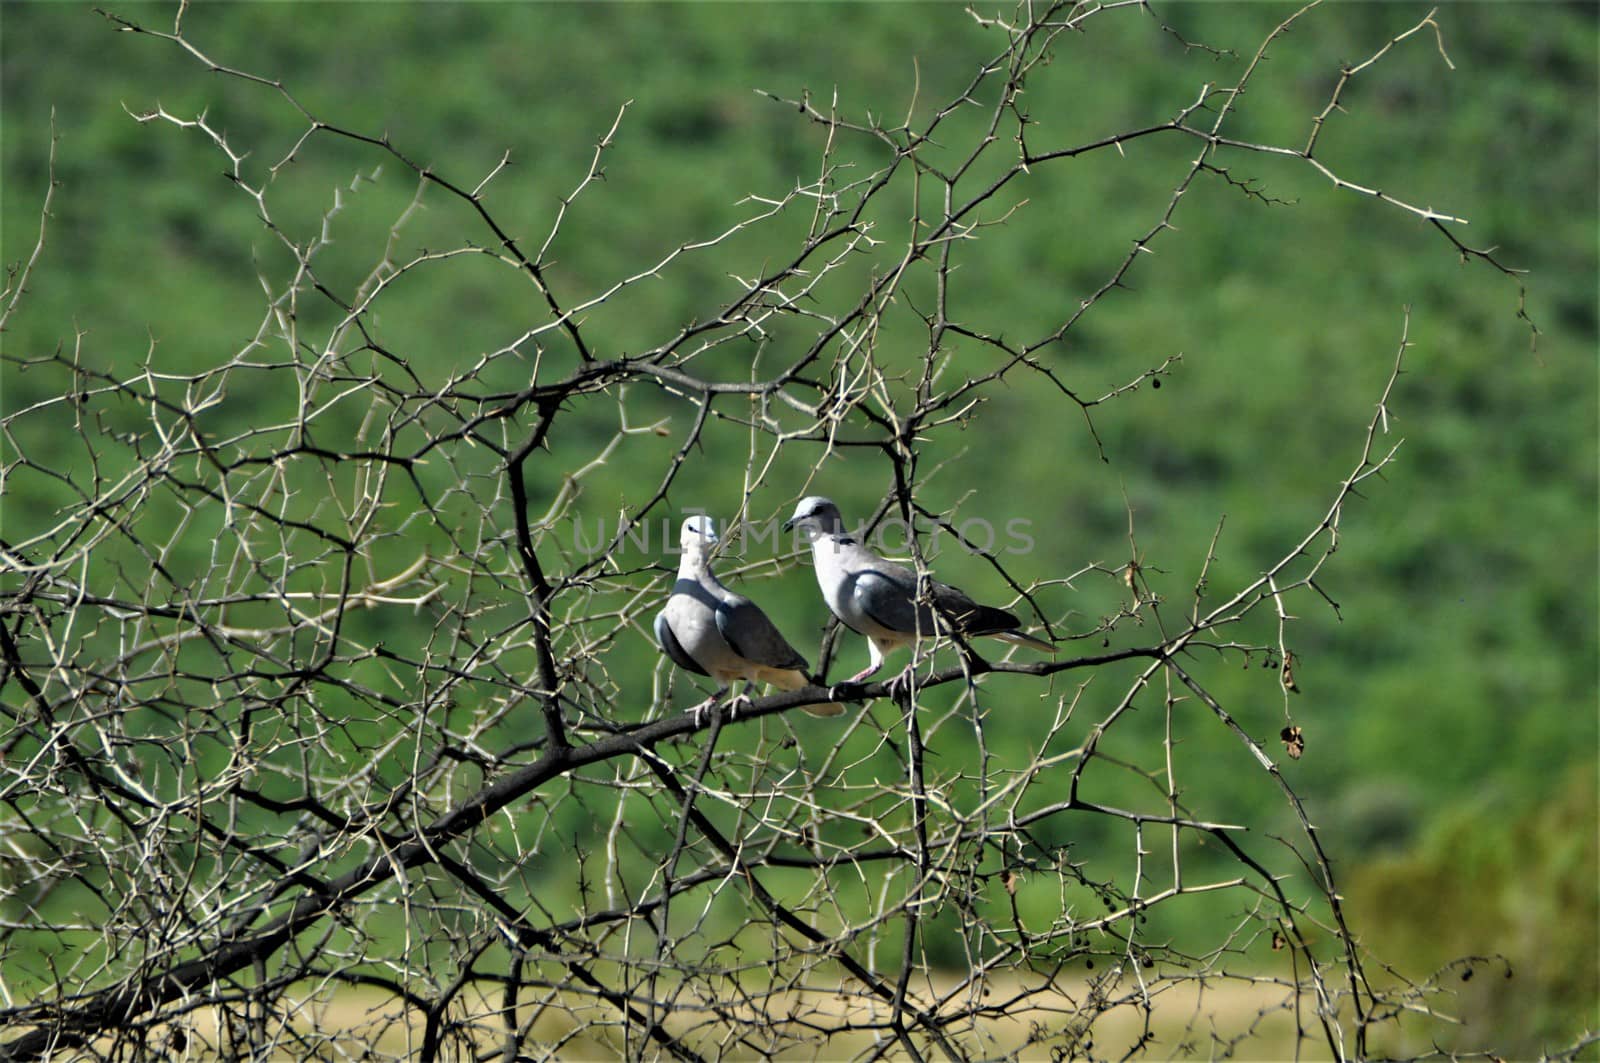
(1186, 1021)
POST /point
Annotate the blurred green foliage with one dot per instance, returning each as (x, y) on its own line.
(1464, 899)
(1464, 659)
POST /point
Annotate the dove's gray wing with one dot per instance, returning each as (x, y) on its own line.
(673, 648)
(886, 598)
(753, 636)
(887, 593)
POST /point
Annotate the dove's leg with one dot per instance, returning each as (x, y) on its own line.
(740, 701)
(874, 662)
(901, 683)
(698, 712)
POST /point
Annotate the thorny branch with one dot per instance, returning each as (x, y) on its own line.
(243, 774)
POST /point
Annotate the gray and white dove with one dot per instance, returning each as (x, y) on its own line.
(878, 598)
(707, 629)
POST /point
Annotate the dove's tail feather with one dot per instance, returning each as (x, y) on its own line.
(792, 679)
(1018, 638)
(983, 620)
(785, 678)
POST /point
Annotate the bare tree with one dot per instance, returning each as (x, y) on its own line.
(345, 757)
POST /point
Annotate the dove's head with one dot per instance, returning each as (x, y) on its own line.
(699, 532)
(816, 516)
